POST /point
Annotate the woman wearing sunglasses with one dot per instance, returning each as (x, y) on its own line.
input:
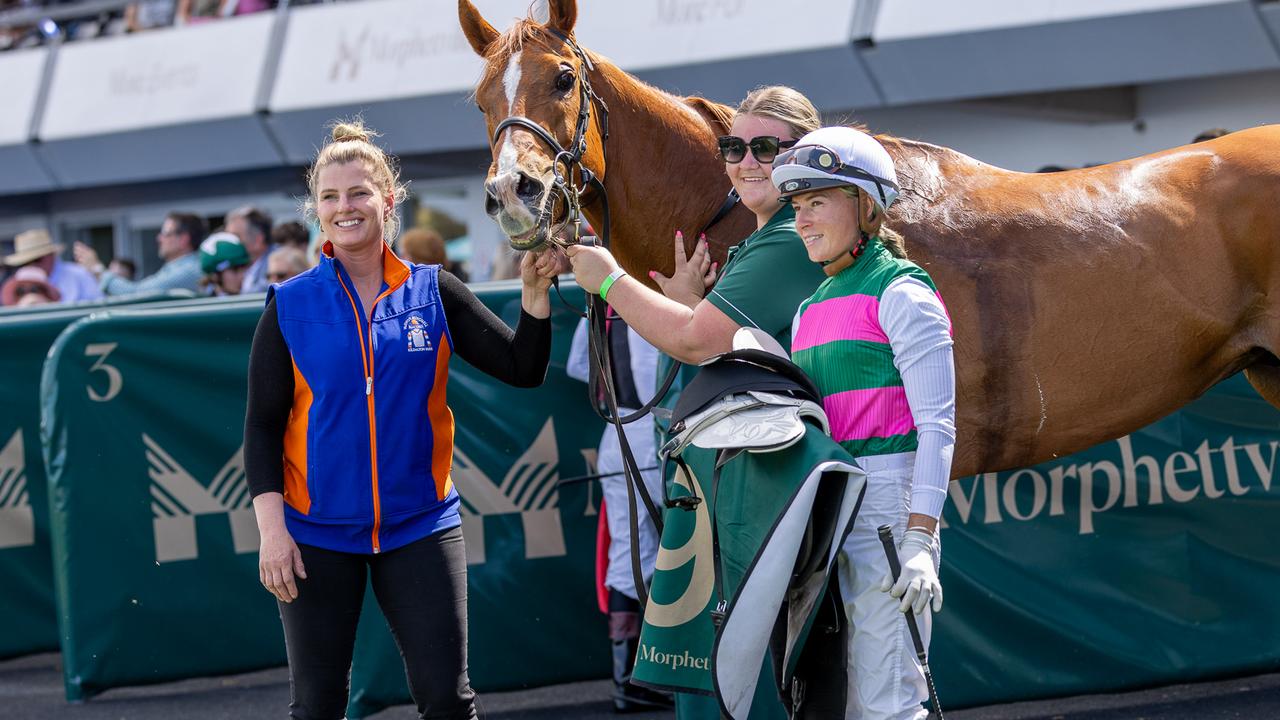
(876, 339)
(765, 277)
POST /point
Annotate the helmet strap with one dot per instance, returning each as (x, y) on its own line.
(846, 259)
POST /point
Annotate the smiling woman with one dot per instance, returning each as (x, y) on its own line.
(876, 340)
(349, 437)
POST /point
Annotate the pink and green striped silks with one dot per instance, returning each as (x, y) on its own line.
(839, 342)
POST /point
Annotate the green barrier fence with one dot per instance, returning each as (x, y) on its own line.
(155, 561)
(89, 306)
(1143, 561)
(1138, 562)
(28, 622)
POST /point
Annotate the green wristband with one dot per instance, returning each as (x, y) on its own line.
(609, 281)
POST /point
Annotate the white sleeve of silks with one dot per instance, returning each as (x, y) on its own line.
(644, 364)
(578, 365)
(919, 332)
(795, 324)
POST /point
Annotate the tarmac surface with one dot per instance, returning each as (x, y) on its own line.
(31, 689)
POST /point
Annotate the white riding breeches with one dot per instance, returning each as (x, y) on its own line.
(641, 438)
(886, 681)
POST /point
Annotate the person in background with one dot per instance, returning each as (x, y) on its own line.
(177, 244)
(284, 263)
(423, 246)
(124, 267)
(253, 227)
(192, 12)
(28, 286)
(1211, 134)
(291, 234)
(224, 262)
(148, 15)
(36, 247)
(634, 376)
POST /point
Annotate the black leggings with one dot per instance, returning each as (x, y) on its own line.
(422, 590)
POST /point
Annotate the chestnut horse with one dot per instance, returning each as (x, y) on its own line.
(1086, 304)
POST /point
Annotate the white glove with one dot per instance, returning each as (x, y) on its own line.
(918, 582)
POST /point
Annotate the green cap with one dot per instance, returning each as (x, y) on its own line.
(222, 250)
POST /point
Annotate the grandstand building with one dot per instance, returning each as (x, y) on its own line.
(101, 136)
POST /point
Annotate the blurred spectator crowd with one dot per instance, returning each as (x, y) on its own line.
(247, 254)
(31, 23)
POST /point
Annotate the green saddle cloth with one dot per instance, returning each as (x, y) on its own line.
(780, 518)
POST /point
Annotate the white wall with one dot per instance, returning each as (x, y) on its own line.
(1173, 113)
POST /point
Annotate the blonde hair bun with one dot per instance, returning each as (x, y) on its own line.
(352, 131)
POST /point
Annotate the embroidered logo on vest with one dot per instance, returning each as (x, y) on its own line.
(415, 328)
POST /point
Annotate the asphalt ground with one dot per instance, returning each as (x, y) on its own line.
(31, 689)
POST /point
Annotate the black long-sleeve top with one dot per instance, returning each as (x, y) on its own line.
(518, 357)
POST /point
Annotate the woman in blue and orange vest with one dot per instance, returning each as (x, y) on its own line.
(349, 439)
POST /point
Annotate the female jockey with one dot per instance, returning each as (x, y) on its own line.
(876, 339)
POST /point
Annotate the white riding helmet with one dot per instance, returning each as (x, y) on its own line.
(835, 156)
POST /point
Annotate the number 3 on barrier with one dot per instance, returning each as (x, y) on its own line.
(115, 381)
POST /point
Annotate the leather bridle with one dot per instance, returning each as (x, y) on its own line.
(566, 160)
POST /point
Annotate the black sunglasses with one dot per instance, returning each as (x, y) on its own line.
(764, 147)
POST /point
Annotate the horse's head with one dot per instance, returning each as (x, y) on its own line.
(537, 101)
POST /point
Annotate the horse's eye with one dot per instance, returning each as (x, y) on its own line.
(564, 81)
(480, 107)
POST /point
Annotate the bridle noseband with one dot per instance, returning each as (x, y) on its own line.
(567, 160)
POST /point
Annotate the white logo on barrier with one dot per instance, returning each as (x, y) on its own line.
(1092, 486)
(17, 523)
(529, 488)
(177, 498)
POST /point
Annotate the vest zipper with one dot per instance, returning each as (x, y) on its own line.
(366, 358)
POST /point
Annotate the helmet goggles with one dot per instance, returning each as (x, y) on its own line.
(832, 172)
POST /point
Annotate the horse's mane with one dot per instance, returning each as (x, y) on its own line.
(512, 41)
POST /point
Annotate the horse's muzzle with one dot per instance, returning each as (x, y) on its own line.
(517, 202)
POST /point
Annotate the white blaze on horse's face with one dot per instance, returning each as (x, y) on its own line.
(511, 84)
(517, 191)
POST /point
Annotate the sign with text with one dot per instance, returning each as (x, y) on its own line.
(902, 19)
(162, 77)
(351, 53)
(646, 34)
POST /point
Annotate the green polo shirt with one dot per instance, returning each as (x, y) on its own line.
(766, 277)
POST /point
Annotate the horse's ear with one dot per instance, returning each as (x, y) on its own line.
(718, 117)
(479, 32)
(563, 15)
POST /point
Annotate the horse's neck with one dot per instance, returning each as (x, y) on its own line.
(661, 172)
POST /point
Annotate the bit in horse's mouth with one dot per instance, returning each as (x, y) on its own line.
(545, 228)
(531, 240)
